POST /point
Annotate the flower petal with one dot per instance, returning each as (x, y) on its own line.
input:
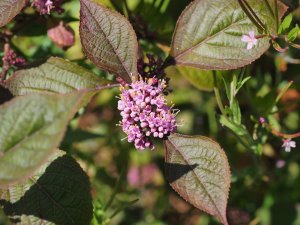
(246, 38)
(293, 144)
(250, 45)
(252, 34)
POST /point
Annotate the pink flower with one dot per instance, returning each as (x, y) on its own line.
(250, 40)
(262, 120)
(280, 164)
(145, 113)
(288, 144)
(142, 175)
(49, 6)
(46, 6)
(12, 59)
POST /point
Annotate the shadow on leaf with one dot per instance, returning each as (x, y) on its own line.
(61, 195)
(175, 171)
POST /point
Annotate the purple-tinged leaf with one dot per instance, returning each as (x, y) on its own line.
(32, 127)
(198, 170)
(9, 9)
(108, 40)
(208, 34)
(54, 76)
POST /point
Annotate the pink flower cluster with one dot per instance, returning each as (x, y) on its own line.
(12, 59)
(46, 6)
(144, 112)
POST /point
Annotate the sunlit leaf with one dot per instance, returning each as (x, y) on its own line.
(294, 33)
(201, 79)
(9, 9)
(208, 34)
(32, 126)
(285, 23)
(197, 169)
(55, 76)
(108, 39)
(58, 193)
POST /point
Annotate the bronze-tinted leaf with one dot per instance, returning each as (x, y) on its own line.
(54, 76)
(108, 39)
(208, 34)
(197, 169)
(9, 9)
(32, 127)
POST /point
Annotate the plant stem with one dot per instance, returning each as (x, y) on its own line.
(5, 66)
(217, 94)
(283, 91)
(115, 191)
(169, 61)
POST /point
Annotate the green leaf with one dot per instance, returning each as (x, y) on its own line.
(54, 76)
(201, 79)
(236, 112)
(293, 34)
(9, 9)
(108, 40)
(32, 126)
(58, 193)
(208, 34)
(197, 168)
(286, 23)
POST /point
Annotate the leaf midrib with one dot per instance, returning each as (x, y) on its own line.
(115, 51)
(205, 40)
(58, 116)
(52, 199)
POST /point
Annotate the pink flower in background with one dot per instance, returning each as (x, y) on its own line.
(288, 144)
(250, 40)
(262, 120)
(141, 176)
(280, 163)
(62, 35)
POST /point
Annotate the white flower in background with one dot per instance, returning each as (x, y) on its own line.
(288, 144)
(250, 40)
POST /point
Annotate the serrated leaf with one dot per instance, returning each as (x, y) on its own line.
(293, 34)
(32, 126)
(208, 34)
(108, 39)
(201, 79)
(9, 9)
(59, 193)
(54, 76)
(285, 23)
(197, 168)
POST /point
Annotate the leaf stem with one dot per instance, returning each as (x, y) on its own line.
(169, 61)
(217, 94)
(283, 91)
(116, 189)
(279, 134)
